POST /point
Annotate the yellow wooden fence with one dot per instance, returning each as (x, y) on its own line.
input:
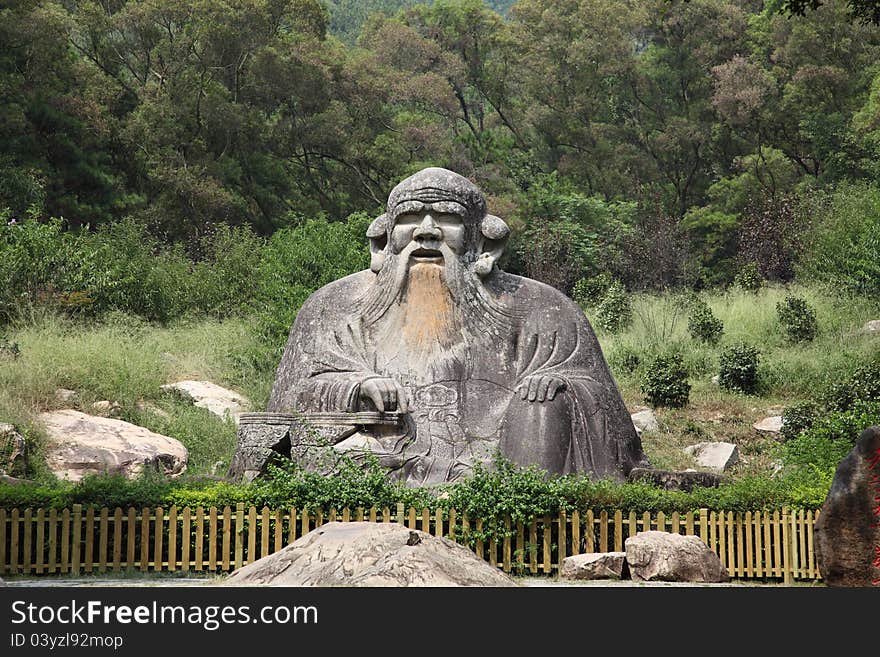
(765, 545)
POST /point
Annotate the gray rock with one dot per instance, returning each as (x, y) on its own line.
(65, 396)
(14, 481)
(716, 456)
(847, 533)
(872, 327)
(220, 401)
(683, 480)
(81, 444)
(105, 407)
(667, 557)
(645, 421)
(473, 360)
(13, 451)
(771, 424)
(370, 554)
(600, 565)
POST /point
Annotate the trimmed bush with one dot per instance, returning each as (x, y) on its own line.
(749, 278)
(738, 368)
(797, 418)
(589, 292)
(665, 383)
(798, 319)
(615, 311)
(703, 325)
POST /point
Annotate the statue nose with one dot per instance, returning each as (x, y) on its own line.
(428, 229)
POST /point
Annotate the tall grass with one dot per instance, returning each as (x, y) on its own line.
(126, 360)
(789, 370)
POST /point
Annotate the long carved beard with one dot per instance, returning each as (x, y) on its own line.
(478, 311)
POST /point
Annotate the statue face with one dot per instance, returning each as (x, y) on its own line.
(421, 229)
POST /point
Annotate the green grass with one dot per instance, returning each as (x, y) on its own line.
(125, 360)
(789, 372)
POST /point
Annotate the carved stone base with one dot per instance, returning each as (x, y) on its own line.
(306, 439)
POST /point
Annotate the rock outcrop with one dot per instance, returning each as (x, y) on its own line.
(662, 556)
(220, 401)
(81, 444)
(599, 565)
(717, 457)
(847, 533)
(370, 554)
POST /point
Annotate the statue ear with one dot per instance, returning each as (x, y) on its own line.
(494, 233)
(377, 233)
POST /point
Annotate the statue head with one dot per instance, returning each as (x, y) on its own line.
(434, 215)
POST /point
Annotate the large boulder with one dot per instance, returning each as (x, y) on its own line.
(714, 456)
(771, 424)
(645, 420)
(671, 557)
(370, 554)
(847, 533)
(13, 451)
(220, 401)
(81, 444)
(599, 565)
(683, 480)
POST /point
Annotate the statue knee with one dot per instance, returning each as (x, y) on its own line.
(537, 433)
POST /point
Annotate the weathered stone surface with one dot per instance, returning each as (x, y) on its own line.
(847, 533)
(81, 444)
(871, 327)
(105, 407)
(771, 424)
(667, 557)
(13, 451)
(600, 565)
(645, 421)
(65, 396)
(715, 456)
(370, 554)
(476, 361)
(683, 480)
(13, 481)
(220, 401)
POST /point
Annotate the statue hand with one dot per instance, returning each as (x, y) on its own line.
(385, 394)
(540, 388)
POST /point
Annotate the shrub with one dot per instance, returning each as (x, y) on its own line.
(738, 368)
(798, 319)
(625, 359)
(797, 418)
(863, 385)
(615, 311)
(589, 292)
(665, 383)
(703, 325)
(749, 278)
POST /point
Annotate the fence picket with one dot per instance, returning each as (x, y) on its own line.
(65, 540)
(103, 539)
(53, 539)
(132, 531)
(200, 539)
(279, 529)
(172, 539)
(77, 538)
(158, 528)
(28, 533)
(740, 554)
(575, 532)
(548, 531)
(212, 538)
(145, 538)
(3, 534)
(618, 531)
(603, 531)
(90, 539)
(41, 540)
(533, 547)
(185, 538)
(589, 533)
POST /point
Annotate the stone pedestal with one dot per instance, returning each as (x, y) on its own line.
(308, 439)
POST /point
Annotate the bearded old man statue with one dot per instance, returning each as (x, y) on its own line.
(441, 361)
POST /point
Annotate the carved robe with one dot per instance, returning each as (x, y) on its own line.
(463, 404)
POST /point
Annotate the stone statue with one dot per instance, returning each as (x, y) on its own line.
(435, 360)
